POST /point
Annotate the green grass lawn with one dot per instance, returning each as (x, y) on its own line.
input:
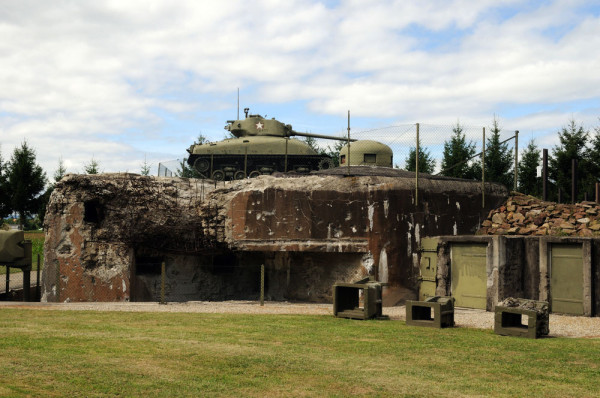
(37, 247)
(68, 353)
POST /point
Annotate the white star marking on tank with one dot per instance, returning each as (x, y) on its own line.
(259, 126)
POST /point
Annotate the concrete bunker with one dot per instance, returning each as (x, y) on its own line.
(107, 235)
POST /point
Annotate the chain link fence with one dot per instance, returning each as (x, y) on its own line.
(446, 150)
(486, 154)
(171, 168)
(21, 283)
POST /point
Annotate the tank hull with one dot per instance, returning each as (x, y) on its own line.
(238, 158)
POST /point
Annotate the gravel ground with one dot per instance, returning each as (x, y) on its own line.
(560, 325)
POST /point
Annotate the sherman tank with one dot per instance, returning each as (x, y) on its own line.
(260, 146)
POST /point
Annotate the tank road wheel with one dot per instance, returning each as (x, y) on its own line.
(218, 175)
(239, 175)
(201, 165)
(254, 174)
(325, 164)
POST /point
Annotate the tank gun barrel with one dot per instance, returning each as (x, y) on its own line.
(326, 137)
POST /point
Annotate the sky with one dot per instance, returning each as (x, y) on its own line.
(128, 82)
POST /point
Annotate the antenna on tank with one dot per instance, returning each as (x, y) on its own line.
(238, 117)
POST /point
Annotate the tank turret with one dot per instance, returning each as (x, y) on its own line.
(367, 153)
(256, 125)
(260, 146)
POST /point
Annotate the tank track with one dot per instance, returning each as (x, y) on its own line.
(238, 167)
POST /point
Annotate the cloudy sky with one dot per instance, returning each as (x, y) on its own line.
(118, 81)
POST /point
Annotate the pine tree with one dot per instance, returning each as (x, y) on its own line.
(334, 152)
(572, 145)
(592, 176)
(93, 167)
(529, 182)
(43, 204)
(185, 171)
(61, 171)
(4, 197)
(45, 198)
(457, 151)
(498, 159)
(145, 171)
(26, 181)
(426, 162)
(312, 143)
(201, 139)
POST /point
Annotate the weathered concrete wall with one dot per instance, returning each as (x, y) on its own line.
(596, 278)
(511, 281)
(192, 277)
(531, 269)
(309, 276)
(94, 225)
(369, 214)
(101, 228)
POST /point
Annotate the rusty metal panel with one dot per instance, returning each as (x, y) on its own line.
(469, 276)
(566, 278)
(428, 268)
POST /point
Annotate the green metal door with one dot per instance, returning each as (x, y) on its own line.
(428, 266)
(566, 278)
(469, 275)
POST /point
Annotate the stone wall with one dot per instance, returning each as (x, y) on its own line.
(526, 215)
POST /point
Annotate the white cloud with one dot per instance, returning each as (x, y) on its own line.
(114, 79)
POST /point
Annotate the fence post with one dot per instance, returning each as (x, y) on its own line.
(162, 282)
(348, 160)
(285, 167)
(573, 180)
(483, 171)
(559, 195)
(38, 291)
(246, 159)
(262, 285)
(7, 280)
(26, 283)
(545, 174)
(417, 169)
(516, 159)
